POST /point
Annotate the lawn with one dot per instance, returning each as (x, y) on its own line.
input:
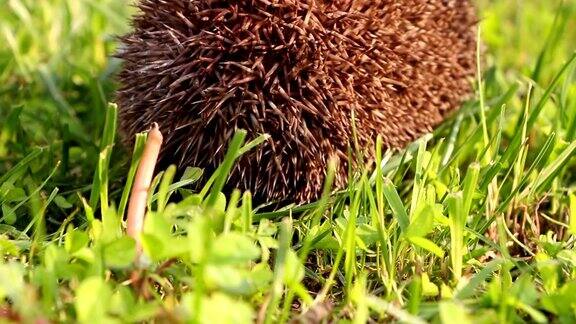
(476, 223)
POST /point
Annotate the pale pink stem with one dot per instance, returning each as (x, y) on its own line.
(142, 181)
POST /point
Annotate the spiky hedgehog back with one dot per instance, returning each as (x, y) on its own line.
(295, 69)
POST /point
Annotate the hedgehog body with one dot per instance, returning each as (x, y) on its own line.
(306, 72)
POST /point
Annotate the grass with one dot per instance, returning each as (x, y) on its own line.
(475, 224)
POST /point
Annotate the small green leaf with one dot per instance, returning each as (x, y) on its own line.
(152, 246)
(75, 240)
(8, 214)
(233, 248)
(158, 226)
(423, 222)
(111, 225)
(294, 269)
(13, 194)
(122, 302)
(62, 202)
(8, 248)
(429, 288)
(92, 300)
(191, 175)
(232, 280)
(120, 253)
(427, 245)
(549, 271)
(222, 309)
(451, 312)
(561, 302)
(197, 238)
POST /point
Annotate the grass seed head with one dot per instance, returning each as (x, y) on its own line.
(306, 72)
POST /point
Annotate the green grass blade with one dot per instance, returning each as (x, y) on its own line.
(279, 269)
(108, 137)
(457, 223)
(395, 203)
(226, 166)
(548, 173)
(136, 155)
(477, 280)
(164, 189)
(18, 168)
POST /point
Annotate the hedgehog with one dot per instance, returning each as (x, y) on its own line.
(317, 76)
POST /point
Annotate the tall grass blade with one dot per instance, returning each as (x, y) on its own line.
(398, 209)
(108, 137)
